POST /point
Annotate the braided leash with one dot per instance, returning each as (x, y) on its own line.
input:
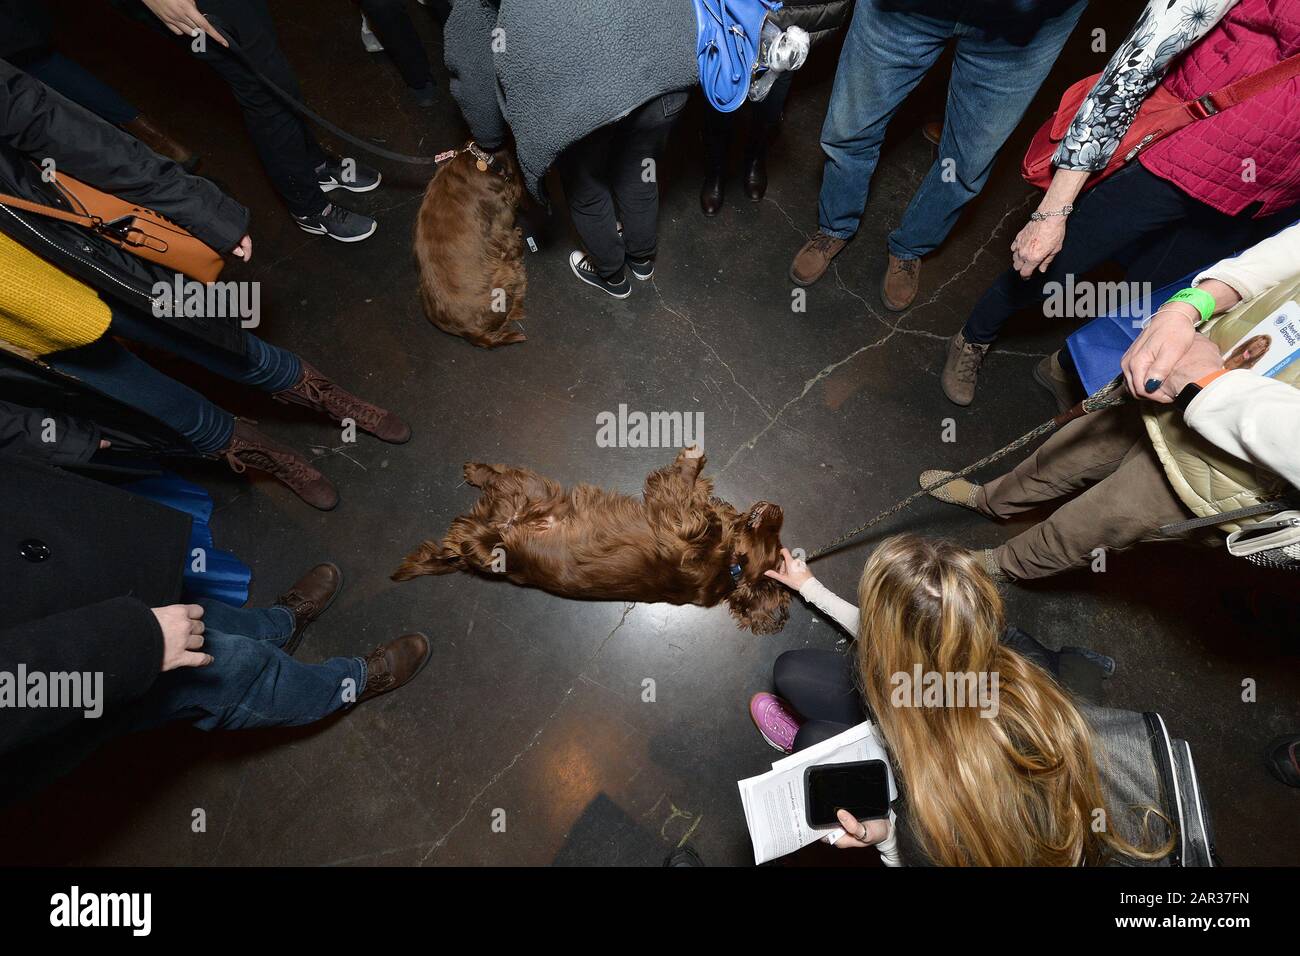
(1106, 397)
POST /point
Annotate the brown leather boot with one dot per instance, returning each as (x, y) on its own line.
(391, 665)
(961, 370)
(143, 129)
(902, 279)
(932, 131)
(308, 599)
(249, 448)
(1049, 374)
(314, 390)
(812, 261)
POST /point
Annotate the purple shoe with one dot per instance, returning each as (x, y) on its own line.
(775, 720)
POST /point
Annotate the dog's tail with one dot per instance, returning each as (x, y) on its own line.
(428, 558)
(491, 340)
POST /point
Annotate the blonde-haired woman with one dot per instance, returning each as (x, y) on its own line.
(1013, 781)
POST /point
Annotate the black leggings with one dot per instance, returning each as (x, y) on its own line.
(820, 685)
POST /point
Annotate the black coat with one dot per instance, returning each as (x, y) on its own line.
(37, 123)
(81, 565)
(821, 18)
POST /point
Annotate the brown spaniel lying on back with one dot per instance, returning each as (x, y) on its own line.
(677, 543)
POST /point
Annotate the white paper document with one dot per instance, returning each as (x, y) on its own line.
(774, 801)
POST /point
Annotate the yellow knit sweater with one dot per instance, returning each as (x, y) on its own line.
(42, 308)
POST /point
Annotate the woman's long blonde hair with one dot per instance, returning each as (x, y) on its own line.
(1018, 788)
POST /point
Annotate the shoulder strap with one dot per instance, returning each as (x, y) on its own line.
(1246, 87)
(1263, 508)
(89, 222)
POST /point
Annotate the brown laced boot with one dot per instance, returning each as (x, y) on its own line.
(308, 599)
(902, 279)
(249, 448)
(812, 261)
(314, 390)
(391, 665)
(143, 129)
(961, 370)
(1049, 374)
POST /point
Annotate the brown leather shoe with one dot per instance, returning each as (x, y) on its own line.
(314, 390)
(812, 261)
(902, 279)
(249, 448)
(143, 129)
(932, 131)
(1049, 374)
(391, 665)
(308, 599)
(961, 370)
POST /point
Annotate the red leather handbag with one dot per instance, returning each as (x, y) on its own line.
(1161, 113)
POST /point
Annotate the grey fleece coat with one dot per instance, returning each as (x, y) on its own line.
(560, 69)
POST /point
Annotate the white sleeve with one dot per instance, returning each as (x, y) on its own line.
(888, 847)
(839, 610)
(1260, 267)
(1254, 418)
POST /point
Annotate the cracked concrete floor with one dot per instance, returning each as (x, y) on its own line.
(532, 709)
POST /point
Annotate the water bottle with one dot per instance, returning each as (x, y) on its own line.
(778, 51)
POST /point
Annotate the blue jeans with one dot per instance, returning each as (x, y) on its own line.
(999, 62)
(109, 368)
(251, 682)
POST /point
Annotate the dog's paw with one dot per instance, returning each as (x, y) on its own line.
(478, 474)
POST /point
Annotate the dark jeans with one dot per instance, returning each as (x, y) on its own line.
(251, 682)
(764, 118)
(288, 150)
(110, 368)
(389, 21)
(1137, 218)
(81, 86)
(607, 179)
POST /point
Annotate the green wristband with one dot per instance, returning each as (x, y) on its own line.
(1199, 299)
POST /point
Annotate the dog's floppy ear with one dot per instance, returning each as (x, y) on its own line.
(762, 607)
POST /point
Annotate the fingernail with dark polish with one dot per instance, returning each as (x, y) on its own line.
(1153, 384)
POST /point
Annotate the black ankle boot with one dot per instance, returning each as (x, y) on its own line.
(711, 192)
(756, 177)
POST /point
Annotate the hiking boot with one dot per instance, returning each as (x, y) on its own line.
(249, 448)
(711, 193)
(812, 261)
(308, 599)
(143, 129)
(961, 370)
(755, 178)
(353, 176)
(391, 665)
(643, 269)
(1049, 374)
(902, 279)
(956, 492)
(314, 390)
(338, 223)
(617, 285)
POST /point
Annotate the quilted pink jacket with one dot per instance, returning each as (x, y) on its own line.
(1251, 152)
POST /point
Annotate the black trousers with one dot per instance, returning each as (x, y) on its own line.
(612, 174)
(389, 21)
(1150, 225)
(288, 150)
(719, 129)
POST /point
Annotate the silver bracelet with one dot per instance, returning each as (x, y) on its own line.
(1063, 211)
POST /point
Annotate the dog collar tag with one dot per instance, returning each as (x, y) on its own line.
(736, 573)
(482, 166)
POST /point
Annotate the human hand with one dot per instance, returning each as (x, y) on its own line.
(1202, 358)
(859, 835)
(182, 17)
(182, 629)
(793, 572)
(243, 249)
(1037, 244)
(1160, 347)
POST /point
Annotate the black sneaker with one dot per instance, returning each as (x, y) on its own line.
(619, 287)
(338, 223)
(643, 269)
(354, 177)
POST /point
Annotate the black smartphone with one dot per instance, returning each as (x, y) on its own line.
(860, 787)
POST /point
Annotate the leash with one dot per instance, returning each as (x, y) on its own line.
(300, 107)
(1107, 396)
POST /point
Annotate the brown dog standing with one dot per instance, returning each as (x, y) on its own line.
(677, 543)
(472, 277)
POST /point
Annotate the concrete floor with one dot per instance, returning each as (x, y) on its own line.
(532, 704)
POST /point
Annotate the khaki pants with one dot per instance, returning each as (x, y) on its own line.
(1119, 495)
